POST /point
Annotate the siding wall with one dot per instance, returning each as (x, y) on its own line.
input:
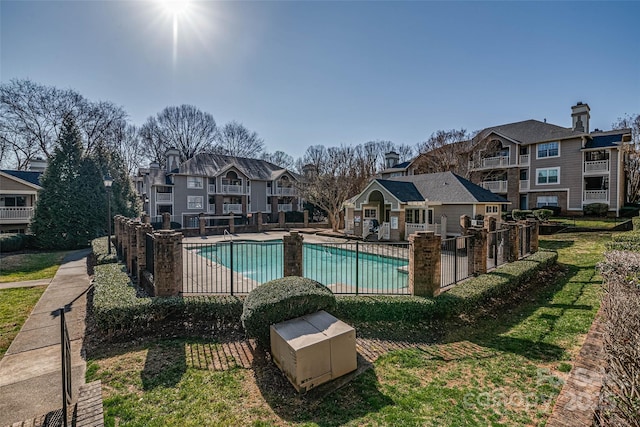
(259, 196)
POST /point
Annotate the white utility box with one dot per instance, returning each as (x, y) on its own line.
(313, 349)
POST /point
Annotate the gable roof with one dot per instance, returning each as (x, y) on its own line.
(531, 131)
(447, 187)
(606, 139)
(403, 191)
(30, 177)
(213, 164)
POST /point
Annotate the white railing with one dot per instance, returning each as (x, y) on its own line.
(596, 195)
(492, 162)
(596, 166)
(384, 231)
(173, 218)
(231, 189)
(409, 229)
(16, 214)
(284, 191)
(285, 207)
(524, 185)
(211, 189)
(211, 208)
(232, 207)
(495, 186)
(524, 159)
(164, 197)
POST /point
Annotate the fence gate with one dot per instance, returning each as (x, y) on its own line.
(456, 260)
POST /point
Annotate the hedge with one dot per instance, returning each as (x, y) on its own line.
(280, 300)
(636, 223)
(11, 242)
(629, 241)
(597, 209)
(464, 297)
(122, 309)
(101, 252)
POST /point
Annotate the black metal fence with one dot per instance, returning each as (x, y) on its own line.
(237, 267)
(65, 352)
(149, 253)
(497, 248)
(456, 260)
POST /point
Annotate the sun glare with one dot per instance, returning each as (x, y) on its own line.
(176, 8)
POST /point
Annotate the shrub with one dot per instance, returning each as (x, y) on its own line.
(519, 214)
(596, 209)
(636, 223)
(542, 214)
(629, 241)
(174, 225)
(629, 211)
(120, 309)
(294, 216)
(101, 252)
(280, 300)
(11, 242)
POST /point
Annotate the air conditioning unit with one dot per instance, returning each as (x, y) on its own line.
(313, 349)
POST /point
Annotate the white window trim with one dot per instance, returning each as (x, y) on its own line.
(491, 209)
(364, 210)
(191, 180)
(547, 157)
(547, 169)
(557, 202)
(191, 200)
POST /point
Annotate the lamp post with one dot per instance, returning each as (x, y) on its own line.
(108, 181)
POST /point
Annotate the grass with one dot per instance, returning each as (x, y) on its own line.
(29, 266)
(15, 306)
(503, 368)
(587, 222)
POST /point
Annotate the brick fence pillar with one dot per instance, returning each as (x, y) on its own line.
(132, 247)
(145, 219)
(514, 241)
(167, 251)
(117, 232)
(465, 224)
(292, 254)
(124, 245)
(142, 230)
(490, 223)
(478, 250)
(305, 216)
(232, 223)
(534, 235)
(424, 264)
(202, 224)
(259, 221)
(166, 221)
(281, 219)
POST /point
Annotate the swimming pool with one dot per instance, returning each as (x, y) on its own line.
(344, 267)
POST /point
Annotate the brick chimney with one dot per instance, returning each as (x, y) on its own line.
(580, 117)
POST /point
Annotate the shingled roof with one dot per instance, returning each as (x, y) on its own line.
(403, 191)
(213, 164)
(531, 131)
(31, 177)
(606, 139)
(447, 187)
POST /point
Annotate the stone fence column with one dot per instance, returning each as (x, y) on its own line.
(424, 264)
(132, 248)
(118, 232)
(535, 232)
(167, 251)
(145, 219)
(305, 216)
(281, 219)
(465, 224)
(490, 223)
(514, 241)
(124, 245)
(141, 249)
(477, 250)
(166, 221)
(292, 254)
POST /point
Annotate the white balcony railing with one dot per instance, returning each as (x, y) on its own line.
(231, 189)
(409, 229)
(492, 162)
(597, 166)
(495, 186)
(283, 191)
(211, 188)
(384, 231)
(16, 214)
(596, 196)
(164, 197)
(524, 185)
(524, 159)
(285, 207)
(211, 208)
(228, 208)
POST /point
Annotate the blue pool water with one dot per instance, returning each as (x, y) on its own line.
(262, 261)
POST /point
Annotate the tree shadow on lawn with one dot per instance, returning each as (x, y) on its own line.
(331, 404)
(164, 365)
(554, 245)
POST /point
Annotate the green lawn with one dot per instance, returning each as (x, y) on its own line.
(30, 266)
(585, 222)
(503, 368)
(15, 306)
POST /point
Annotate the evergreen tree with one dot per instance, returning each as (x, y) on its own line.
(124, 198)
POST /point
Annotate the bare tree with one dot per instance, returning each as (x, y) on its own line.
(280, 158)
(380, 148)
(234, 139)
(128, 144)
(445, 150)
(185, 127)
(631, 150)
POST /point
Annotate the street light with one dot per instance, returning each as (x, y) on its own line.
(108, 182)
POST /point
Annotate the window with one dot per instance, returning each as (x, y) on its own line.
(548, 176)
(194, 202)
(429, 216)
(547, 201)
(194, 182)
(548, 149)
(491, 209)
(412, 216)
(370, 213)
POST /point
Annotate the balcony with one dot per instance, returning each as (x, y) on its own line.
(524, 185)
(235, 208)
(232, 189)
(524, 159)
(164, 197)
(211, 189)
(283, 191)
(495, 186)
(595, 196)
(16, 215)
(211, 208)
(597, 166)
(490, 162)
(285, 207)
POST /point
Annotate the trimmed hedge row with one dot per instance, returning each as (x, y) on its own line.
(101, 252)
(120, 308)
(11, 242)
(629, 241)
(464, 297)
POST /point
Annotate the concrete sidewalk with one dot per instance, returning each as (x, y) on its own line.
(30, 376)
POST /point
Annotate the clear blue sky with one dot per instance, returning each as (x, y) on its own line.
(306, 73)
